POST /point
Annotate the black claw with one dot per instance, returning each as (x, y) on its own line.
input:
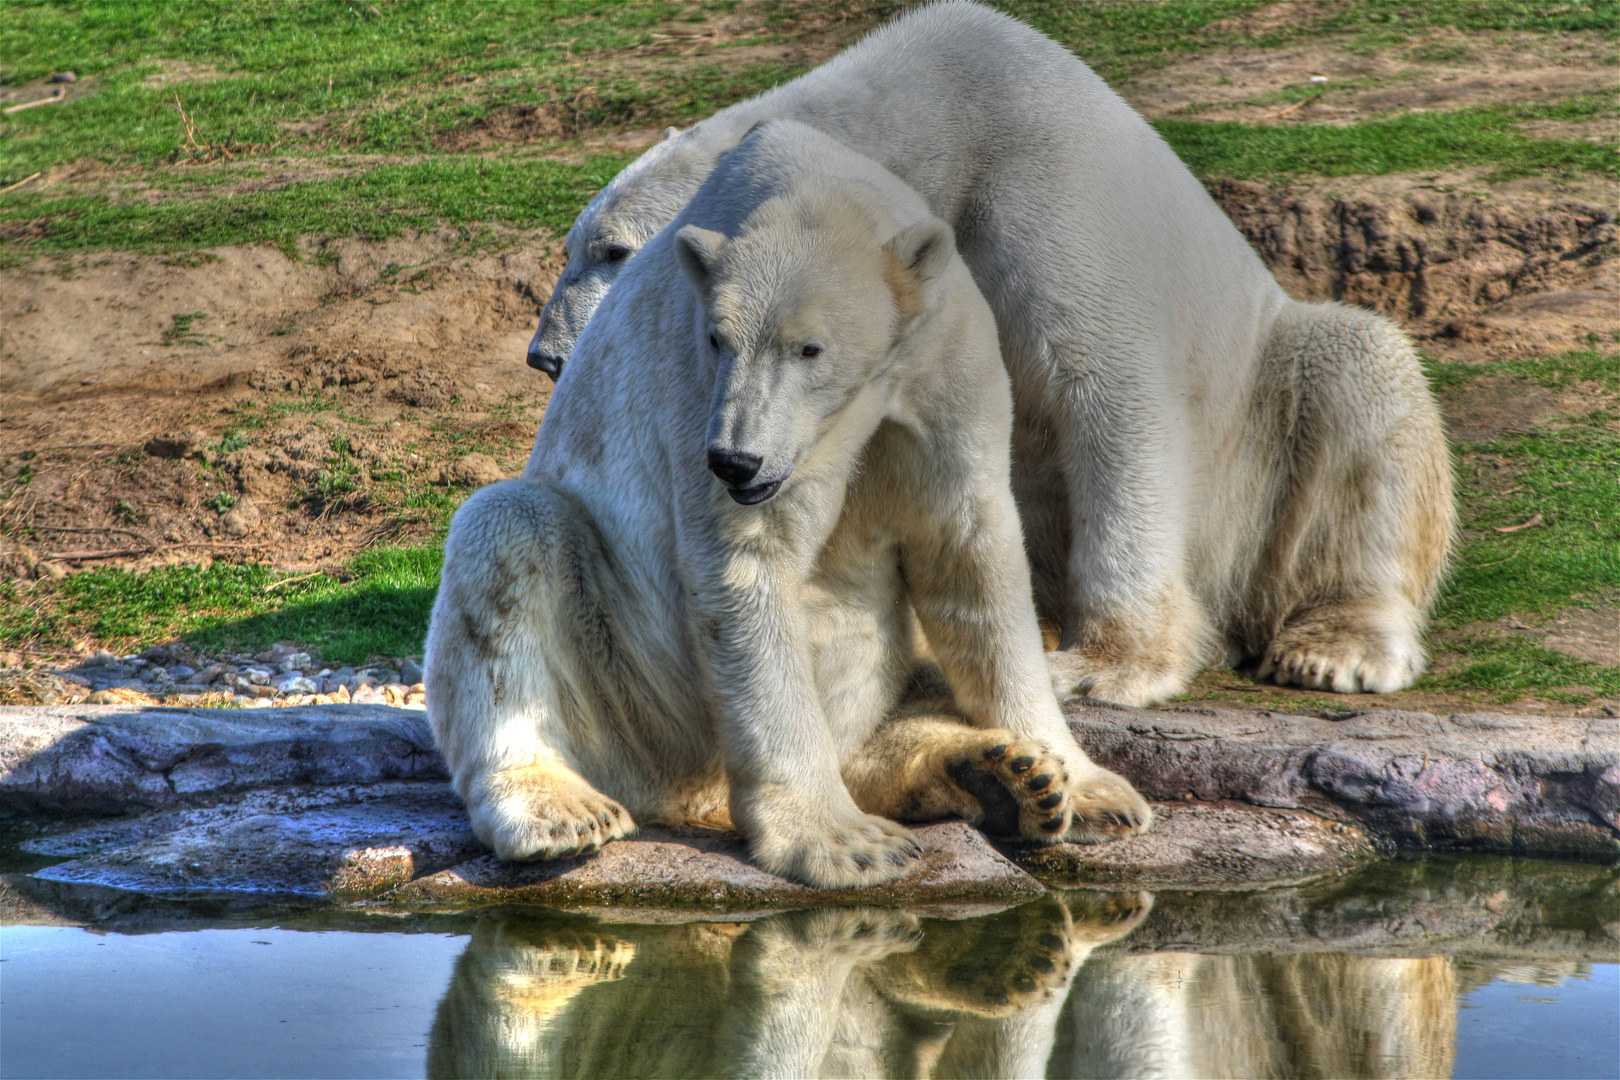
(554, 830)
(897, 858)
(863, 861)
(617, 811)
(1036, 783)
(1053, 825)
(995, 751)
(1022, 765)
(1110, 816)
(1051, 800)
(580, 828)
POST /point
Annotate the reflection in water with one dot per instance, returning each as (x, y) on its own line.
(858, 992)
(845, 993)
(1304, 1015)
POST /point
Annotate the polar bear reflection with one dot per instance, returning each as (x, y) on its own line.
(1305, 1015)
(875, 993)
(844, 993)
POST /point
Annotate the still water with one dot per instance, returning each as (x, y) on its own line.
(1478, 967)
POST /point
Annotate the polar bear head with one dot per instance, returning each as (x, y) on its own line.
(617, 223)
(808, 312)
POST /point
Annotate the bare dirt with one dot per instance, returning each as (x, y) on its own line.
(1329, 81)
(243, 404)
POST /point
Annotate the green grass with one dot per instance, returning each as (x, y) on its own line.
(376, 204)
(1510, 667)
(1409, 143)
(382, 609)
(1120, 40)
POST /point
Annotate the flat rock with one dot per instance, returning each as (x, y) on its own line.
(344, 840)
(1477, 781)
(118, 759)
(1195, 846)
(959, 873)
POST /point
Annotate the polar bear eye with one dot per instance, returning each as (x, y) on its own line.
(810, 352)
(615, 253)
(714, 341)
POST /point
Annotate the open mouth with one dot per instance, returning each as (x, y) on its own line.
(748, 496)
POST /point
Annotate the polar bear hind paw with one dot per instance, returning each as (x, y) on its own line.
(1106, 807)
(1344, 655)
(1022, 787)
(849, 854)
(544, 812)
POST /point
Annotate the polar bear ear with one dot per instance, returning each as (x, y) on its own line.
(914, 260)
(671, 132)
(699, 253)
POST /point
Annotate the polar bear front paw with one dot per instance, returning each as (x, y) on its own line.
(1106, 807)
(543, 812)
(862, 850)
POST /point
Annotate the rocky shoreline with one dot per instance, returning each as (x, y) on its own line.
(350, 803)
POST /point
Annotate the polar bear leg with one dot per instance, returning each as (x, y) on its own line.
(1364, 521)
(515, 631)
(932, 766)
(1134, 631)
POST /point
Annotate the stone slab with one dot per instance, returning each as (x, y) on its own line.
(341, 840)
(704, 869)
(119, 759)
(1197, 846)
(1479, 781)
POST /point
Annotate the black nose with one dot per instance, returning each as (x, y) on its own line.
(734, 467)
(541, 361)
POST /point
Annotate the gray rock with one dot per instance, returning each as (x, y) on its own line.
(99, 658)
(339, 840)
(694, 868)
(297, 661)
(1194, 846)
(410, 672)
(181, 671)
(1479, 781)
(258, 675)
(121, 759)
(294, 683)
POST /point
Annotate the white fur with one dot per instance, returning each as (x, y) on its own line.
(1206, 469)
(614, 630)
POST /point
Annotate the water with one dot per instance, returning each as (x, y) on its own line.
(1464, 967)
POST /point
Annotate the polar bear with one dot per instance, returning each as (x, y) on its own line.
(622, 633)
(1207, 470)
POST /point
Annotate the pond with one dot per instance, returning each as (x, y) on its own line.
(1470, 967)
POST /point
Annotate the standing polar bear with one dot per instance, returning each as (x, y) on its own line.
(624, 631)
(1207, 470)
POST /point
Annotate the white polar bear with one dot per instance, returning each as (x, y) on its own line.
(1207, 470)
(616, 629)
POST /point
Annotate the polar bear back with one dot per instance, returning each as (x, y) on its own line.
(1098, 249)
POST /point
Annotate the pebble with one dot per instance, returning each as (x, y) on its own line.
(280, 675)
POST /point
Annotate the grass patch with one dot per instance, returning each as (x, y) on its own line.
(1512, 666)
(1568, 477)
(1408, 143)
(377, 204)
(381, 609)
(1120, 40)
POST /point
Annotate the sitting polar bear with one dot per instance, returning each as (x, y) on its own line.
(1207, 470)
(624, 631)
